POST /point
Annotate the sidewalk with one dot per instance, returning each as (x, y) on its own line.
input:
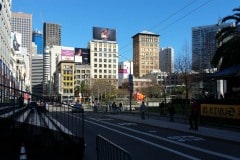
(180, 125)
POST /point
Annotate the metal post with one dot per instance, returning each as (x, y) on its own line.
(130, 86)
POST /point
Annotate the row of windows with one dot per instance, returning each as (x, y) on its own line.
(105, 76)
(105, 60)
(105, 71)
(68, 91)
(105, 49)
(105, 66)
(149, 44)
(105, 45)
(105, 55)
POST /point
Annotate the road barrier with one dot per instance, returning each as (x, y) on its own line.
(107, 150)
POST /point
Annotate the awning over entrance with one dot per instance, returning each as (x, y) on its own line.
(227, 73)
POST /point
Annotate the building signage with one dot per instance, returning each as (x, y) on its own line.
(222, 111)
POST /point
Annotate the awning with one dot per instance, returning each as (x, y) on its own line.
(227, 73)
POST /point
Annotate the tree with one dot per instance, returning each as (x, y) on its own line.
(228, 42)
(184, 66)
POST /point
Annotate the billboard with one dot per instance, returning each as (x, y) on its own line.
(16, 41)
(104, 34)
(82, 56)
(67, 54)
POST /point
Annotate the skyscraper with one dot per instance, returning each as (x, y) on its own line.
(52, 34)
(203, 46)
(166, 59)
(22, 23)
(145, 53)
(37, 37)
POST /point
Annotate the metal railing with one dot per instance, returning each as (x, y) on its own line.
(47, 132)
(107, 150)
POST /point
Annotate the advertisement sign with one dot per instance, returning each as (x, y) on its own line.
(16, 41)
(67, 54)
(82, 56)
(104, 34)
(222, 111)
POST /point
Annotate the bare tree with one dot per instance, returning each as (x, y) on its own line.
(184, 66)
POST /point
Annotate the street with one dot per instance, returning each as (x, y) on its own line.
(149, 142)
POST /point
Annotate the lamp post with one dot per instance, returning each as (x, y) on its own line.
(130, 80)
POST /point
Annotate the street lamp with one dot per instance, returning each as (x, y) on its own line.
(130, 80)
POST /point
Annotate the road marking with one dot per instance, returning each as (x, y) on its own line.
(168, 140)
(127, 124)
(186, 138)
(145, 141)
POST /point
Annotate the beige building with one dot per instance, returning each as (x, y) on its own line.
(104, 61)
(145, 53)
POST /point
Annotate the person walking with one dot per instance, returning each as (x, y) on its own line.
(143, 109)
(194, 115)
(171, 111)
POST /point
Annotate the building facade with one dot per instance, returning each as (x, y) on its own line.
(22, 23)
(37, 74)
(166, 59)
(204, 45)
(124, 70)
(145, 53)
(51, 34)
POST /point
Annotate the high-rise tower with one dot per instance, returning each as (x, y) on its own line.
(22, 23)
(166, 59)
(145, 53)
(52, 34)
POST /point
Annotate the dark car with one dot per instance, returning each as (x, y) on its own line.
(77, 108)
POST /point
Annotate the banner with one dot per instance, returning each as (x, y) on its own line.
(221, 111)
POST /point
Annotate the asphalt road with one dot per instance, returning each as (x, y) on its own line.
(145, 142)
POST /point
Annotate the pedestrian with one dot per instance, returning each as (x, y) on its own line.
(194, 115)
(114, 108)
(161, 106)
(143, 109)
(120, 107)
(171, 111)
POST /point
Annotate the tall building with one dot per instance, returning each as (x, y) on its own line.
(52, 34)
(203, 46)
(145, 53)
(22, 23)
(166, 59)
(37, 72)
(37, 38)
(6, 54)
(104, 55)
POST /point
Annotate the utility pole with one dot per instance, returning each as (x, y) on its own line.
(130, 80)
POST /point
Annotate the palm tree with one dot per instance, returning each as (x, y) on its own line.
(228, 42)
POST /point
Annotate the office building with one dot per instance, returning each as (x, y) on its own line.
(104, 55)
(145, 53)
(204, 45)
(21, 23)
(37, 74)
(51, 34)
(166, 59)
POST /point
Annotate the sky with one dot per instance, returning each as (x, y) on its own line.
(171, 19)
